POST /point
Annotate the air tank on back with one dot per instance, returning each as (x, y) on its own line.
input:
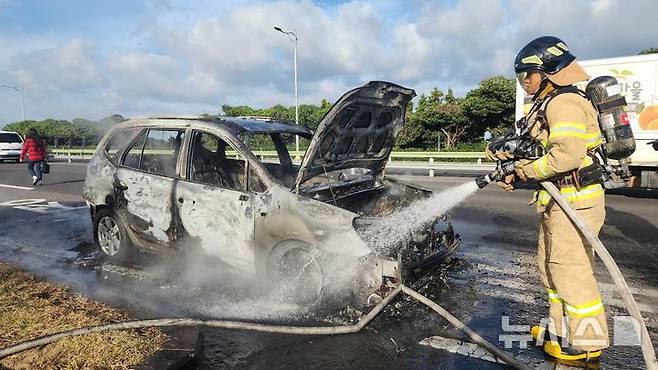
(605, 93)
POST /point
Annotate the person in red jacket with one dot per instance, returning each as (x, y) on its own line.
(35, 148)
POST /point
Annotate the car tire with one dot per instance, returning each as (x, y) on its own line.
(110, 236)
(295, 274)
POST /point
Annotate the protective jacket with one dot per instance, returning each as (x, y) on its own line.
(568, 132)
(566, 125)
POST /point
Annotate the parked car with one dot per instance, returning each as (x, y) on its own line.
(10, 145)
(168, 183)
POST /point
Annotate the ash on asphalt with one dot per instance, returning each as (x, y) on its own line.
(493, 276)
(58, 246)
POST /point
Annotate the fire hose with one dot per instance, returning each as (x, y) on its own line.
(648, 351)
(280, 329)
(631, 306)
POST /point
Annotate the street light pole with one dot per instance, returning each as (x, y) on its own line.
(296, 99)
(22, 101)
(20, 90)
(293, 37)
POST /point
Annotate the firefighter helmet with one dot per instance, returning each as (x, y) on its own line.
(547, 54)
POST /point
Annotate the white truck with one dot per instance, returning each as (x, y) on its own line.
(638, 76)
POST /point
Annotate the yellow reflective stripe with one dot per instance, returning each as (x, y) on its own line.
(577, 126)
(588, 192)
(572, 195)
(543, 197)
(590, 309)
(541, 168)
(586, 161)
(568, 129)
(594, 139)
(555, 51)
(533, 59)
(553, 296)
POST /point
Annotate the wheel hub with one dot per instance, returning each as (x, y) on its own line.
(109, 237)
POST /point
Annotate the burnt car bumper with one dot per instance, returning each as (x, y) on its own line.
(416, 254)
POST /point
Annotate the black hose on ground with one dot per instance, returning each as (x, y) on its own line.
(281, 329)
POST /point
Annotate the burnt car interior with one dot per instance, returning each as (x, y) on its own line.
(210, 165)
(280, 166)
(155, 151)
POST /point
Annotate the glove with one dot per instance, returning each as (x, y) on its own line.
(497, 155)
(508, 182)
(519, 169)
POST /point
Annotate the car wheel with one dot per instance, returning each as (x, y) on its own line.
(110, 235)
(296, 274)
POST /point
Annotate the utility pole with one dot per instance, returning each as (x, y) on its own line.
(293, 37)
(19, 89)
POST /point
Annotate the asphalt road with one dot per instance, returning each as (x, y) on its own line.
(46, 230)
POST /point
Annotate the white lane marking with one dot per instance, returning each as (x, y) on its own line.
(15, 187)
(22, 202)
(39, 205)
(49, 207)
(459, 347)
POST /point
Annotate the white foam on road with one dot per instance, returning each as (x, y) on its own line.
(512, 276)
(473, 350)
(459, 347)
(606, 288)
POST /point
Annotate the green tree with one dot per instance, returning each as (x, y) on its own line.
(490, 106)
(310, 115)
(78, 132)
(437, 114)
(649, 51)
(237, 111)
(86, 131)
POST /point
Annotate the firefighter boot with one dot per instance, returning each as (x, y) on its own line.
(571, 356)
(539, 332)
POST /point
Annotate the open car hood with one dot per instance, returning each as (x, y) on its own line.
(358, 131)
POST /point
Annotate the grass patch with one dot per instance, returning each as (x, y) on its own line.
(30, 308)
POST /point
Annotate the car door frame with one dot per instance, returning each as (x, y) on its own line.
(247, 156)
(120, 206)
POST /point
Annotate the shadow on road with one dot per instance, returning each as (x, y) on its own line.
(65, 182)
(632, 226)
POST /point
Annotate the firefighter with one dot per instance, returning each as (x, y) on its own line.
(566, 125)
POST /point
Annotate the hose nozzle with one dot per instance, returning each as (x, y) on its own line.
(483, 181)
(503, 169)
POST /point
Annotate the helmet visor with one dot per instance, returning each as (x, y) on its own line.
(528, 83)
(521, 77)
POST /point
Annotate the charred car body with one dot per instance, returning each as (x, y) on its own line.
(176, 183)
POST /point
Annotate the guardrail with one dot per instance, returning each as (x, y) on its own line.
(430, 157)
(294, 154)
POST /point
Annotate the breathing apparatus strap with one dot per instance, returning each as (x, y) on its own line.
(577, 178)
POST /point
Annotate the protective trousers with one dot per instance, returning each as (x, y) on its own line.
(566, 266)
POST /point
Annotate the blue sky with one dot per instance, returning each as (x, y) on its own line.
(91, 59)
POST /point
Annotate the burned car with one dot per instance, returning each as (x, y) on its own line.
(172, 183)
